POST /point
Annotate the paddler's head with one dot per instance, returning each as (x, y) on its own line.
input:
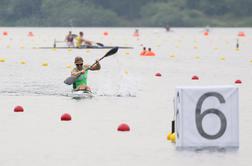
(81, 33)
(78, 62)
(70, 32)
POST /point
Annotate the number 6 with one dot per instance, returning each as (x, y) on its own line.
(199, 116)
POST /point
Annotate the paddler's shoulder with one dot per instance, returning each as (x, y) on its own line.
(74, 70)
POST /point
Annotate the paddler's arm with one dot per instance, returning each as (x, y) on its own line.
(97, 66)
(77, 73)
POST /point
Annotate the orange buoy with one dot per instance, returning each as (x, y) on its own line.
(66, 117)
(158, 74)
(195, 77)
(18, 109)
(123, 127)
(206, 33)
(238, 81)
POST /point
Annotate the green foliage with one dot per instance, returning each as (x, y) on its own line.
(125, 13)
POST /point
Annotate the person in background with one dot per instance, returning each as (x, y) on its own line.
(80, 41)
(70, 39)
(143, 51)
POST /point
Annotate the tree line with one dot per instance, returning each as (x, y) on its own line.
(117, 13)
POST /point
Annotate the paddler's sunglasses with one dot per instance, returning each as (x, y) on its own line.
(79, 64)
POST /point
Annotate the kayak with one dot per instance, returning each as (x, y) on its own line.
(82, 94)
(89, 47)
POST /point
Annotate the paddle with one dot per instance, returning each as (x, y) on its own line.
(70, 80)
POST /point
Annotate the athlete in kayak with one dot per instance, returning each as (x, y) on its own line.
(80, 41)
(70, 39)
(81, 73)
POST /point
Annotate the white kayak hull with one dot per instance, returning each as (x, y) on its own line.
(82, 95)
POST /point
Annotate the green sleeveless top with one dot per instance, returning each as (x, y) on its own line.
(81, 80)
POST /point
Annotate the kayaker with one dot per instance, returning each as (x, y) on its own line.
(80, 41)
(70, 39)
(81, 73)
(143, 51)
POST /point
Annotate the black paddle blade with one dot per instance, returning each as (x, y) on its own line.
(100, 44)
(111, 52)
(70, 80)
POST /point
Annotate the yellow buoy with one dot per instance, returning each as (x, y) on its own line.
(169, 136)
(45, 64)
(173, 137)
(69, 49)
(250, 61)
(69, 66)
(22, 62)
(172, 56)
(126, 72)
(237, 49)
(222, 58)
(2, 60)
(197, 57)
(54, 49)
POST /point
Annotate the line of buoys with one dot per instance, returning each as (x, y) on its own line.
(123, 127)
(66, 117)
(148, 52)
(18, 109)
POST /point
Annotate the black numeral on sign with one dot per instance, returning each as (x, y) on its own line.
(199, 116)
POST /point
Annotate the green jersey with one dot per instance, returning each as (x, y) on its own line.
(81, 80)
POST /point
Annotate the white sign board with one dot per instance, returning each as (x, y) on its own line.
(207, 116)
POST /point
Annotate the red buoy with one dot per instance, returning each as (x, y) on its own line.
(241, 34)
(5, 33)
(158, 74)
(30, 34)
(238, 81)
(206, 33)
(105, 33)
(18, 109)
(66, 117)
(123, 127)
(195, 77)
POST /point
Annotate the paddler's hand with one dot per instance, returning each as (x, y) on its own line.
(83, 71)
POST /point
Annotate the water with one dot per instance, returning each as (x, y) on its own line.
(126, 90)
